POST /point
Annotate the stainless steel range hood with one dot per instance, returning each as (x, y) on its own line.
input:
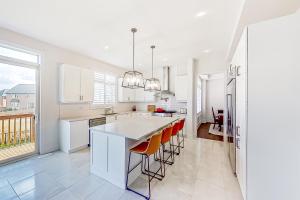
(165, 84)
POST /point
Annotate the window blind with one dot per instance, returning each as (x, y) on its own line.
(105, 89)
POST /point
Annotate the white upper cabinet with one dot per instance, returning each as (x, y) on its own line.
(149, 96)
(134, 95)
(76, 84)
(181, 88)
(87, 85)
(124, 94)
(139, 95)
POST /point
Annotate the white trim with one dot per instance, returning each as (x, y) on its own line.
(36, 67)
(20, 48)
(18, 62)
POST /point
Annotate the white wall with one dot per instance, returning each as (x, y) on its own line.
(50, 109)
(191, 118)
(273, 141)
(214, 96)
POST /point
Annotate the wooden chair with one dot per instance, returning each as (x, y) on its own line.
(217, 120)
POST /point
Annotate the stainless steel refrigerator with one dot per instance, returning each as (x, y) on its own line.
(230, 138)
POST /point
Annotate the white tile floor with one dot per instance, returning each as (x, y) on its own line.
(201, 172)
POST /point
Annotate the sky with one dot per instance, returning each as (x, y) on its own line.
(12, 75)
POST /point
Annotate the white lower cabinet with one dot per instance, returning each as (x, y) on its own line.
(110, 119)
(74, 135)
(123, 116)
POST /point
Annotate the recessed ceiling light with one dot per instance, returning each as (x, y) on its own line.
(200, 14)
(106, 47)
(207, 51)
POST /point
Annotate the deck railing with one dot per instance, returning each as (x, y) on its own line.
(17, 129)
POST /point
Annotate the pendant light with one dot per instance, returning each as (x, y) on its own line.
(152, 84)
(133, 79)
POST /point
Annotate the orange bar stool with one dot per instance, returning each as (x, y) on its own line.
(146, 149)
(175, 132)
(166, 137)
(181, 126)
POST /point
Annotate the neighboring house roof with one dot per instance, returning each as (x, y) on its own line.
(3, 92)
(22, 89)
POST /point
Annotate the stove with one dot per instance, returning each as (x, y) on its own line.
(164, 113)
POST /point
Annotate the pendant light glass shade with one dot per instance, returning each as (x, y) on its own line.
(133, 79)
(152, 84)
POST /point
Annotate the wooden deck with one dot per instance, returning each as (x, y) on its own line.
(16, 151)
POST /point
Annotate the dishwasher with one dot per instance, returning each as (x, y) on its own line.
(96, 122)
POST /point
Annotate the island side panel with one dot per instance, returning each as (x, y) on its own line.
(108, 157)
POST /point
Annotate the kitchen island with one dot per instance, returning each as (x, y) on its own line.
(110, 144)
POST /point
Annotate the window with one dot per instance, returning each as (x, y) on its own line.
(18, 54)
(104, 89)
(199, 95)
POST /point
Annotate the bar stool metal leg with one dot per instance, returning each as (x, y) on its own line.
(130, 170)
(149, 180)
(176, 148)
(155, 174)
(182, 138)
(166, 161)
(178, 144)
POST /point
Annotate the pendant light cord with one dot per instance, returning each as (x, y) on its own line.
(152, 47)
(133, 30)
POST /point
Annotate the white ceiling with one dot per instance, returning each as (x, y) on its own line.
(254, 11)
(89, 26)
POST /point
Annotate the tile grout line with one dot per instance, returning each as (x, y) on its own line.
(13, 188)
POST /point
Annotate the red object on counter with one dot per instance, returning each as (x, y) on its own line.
(160, 110)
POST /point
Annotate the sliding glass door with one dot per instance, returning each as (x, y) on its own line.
(19, 103)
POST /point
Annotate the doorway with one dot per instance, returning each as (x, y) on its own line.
(19, 103)
(211, 117)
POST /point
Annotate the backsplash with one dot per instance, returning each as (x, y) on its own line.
(170, 104)
(78, 110)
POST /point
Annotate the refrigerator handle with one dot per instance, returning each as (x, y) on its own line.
(237, 142)
(238, 131)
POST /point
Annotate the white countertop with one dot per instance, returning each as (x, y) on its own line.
(135, 128)
(71, 119)
(79, 118)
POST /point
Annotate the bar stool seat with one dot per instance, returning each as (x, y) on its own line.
(140, 148)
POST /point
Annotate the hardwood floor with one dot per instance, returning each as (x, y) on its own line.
(203, 132)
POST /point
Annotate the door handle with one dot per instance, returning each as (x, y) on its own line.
(238, 70)
(238, 131)
(237, 143)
